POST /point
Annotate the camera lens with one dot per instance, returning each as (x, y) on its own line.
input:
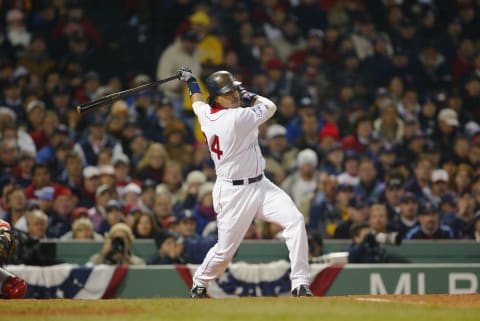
(118, 244)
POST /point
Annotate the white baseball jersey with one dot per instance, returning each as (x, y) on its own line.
(232, 139)
(231, 136)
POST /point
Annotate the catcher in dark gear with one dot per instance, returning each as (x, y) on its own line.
(11, 286)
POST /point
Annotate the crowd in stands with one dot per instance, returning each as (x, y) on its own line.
(378, 116)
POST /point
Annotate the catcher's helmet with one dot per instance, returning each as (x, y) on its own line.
(221, 82)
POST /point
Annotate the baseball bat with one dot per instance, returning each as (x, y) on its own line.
(121, 94)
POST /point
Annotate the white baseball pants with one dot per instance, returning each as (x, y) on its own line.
(236, 207)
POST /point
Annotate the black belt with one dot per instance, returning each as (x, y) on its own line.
(247, 181)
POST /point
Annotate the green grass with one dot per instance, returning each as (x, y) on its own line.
(245, 309)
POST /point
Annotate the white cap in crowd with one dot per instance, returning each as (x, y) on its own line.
(196, 176)
(120, 158)
(131, 188)
(204, 190)
(440, 175)
(91, 171)
(449, 116)
(307, 156)
(275, 130)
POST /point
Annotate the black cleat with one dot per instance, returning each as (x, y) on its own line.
(198, 292)
(302, 290)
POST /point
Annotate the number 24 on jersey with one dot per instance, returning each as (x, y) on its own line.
(214, 146)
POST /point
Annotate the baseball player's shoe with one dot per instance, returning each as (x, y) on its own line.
(302, 290)
(198, 292)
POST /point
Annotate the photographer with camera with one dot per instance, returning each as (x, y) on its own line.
(116, 248)
(369, 247)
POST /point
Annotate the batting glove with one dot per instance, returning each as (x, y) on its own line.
(246, 96)
(185, 74)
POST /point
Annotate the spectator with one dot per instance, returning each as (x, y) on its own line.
(60, 218)
(210, 46)
(36, 59)
(88, 147)
(107, 174)
(304, 179)
(204, 212)
(40, 178)
(462, 179)
(325, 213)
(195, 179)
(465, 214)
(8, 157)
(81, 227)
(91, 181)
(378, 218)
(113, 215)
(15, 205)
(162, 208)
(116, 248)
(182, 52)
(71, 177)
(350, 165)
(121, 164)
(476, 228)
(429, 225)
(96, 213)
(37, 225)
(145, 201)
(178, 149)
(44, 198)
(407, 219)
(446, 130)
(290, 38)
(163, 115)
(172, 181)
(17, 31)
(389, 124)
(369, 187)
(137, 146)
(187, 224)
(309, 137)
(144, 226)
(392, 195)
(362, 130)
(357, 210)
(279, 156)
(364, 247)
(130, 195)
(60, 135)
(152, 165)
(168, 251)
(333, 160)
(420, 182)
(439, 186)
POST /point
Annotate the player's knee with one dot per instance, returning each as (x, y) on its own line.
(296, 221)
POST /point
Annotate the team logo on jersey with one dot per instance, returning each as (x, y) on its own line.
(258, 110)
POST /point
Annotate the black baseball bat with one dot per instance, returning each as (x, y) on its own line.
(121, 94)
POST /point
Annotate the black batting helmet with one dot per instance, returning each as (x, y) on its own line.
(221, 82)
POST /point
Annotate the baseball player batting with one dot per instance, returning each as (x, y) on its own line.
(241, 191)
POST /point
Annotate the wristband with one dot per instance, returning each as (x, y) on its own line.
(193, 87)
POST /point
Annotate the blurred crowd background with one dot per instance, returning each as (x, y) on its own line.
(377, 128)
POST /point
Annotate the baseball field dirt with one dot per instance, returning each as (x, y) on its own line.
(351, 308)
